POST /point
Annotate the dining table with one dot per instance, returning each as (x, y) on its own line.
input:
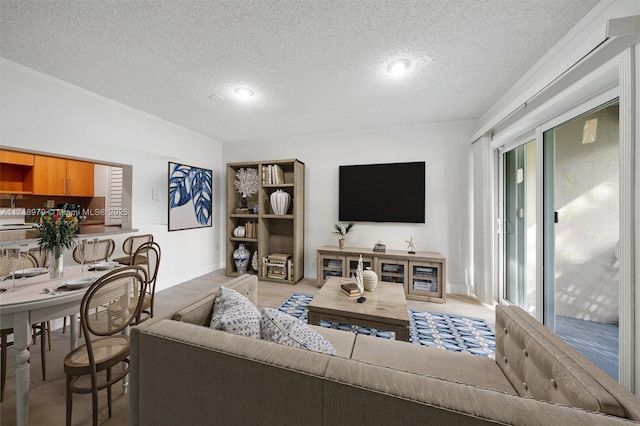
(34, 300)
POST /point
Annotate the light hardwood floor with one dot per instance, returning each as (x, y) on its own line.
(47, 398)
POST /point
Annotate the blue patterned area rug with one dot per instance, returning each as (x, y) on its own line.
(451, 332)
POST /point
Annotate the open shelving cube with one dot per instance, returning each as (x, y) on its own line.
(276, 234)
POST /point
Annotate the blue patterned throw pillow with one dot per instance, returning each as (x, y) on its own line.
(278, 327)
(234, 313)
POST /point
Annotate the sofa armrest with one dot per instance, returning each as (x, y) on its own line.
(629, 402)
(545, 371)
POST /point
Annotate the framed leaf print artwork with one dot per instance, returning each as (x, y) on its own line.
(190, 197)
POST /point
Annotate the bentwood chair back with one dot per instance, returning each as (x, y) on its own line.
(42, 329)
(106, 310)
(40, 256)
(104, 251)
(149, 255)
(129, 247)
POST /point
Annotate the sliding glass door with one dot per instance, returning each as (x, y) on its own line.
(581, 233)
(519, 171)
(560, 230)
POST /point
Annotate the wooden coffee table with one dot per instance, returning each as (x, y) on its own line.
(384, 309)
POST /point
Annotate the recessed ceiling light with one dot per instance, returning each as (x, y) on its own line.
(398, 66)
(216, 97)
(243, 92)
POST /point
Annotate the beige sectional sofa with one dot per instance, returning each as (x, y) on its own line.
(183, 372)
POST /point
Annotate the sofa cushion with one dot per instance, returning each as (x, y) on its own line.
(539, 369)
(433, 362)
(341, 340)
(282, 328)
(234, 313)
(199, 310)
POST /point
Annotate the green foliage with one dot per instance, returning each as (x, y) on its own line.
(343, 230)
(57, 227)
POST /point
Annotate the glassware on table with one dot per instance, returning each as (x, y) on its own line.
(24, 250)
(95, 253)
(13, 255)
(82, 252)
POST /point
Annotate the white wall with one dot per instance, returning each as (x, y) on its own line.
(40, 113)
(443, 146)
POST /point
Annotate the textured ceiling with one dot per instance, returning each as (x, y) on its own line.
(316, 66)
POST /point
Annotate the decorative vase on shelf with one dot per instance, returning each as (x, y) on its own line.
(56, 263)
(256, 208)
(341, 243)
(369, 279)
(239, 231)
(280, 202)
(241, 258)
(254, 261)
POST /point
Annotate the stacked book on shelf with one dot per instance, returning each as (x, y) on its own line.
(251, 229)
(272, 174)
(278, 266)
(334, 264)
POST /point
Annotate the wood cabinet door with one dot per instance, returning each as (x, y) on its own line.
(79, 178)
(425, 279)
(49, 175)
(392, 270)
(330, 265)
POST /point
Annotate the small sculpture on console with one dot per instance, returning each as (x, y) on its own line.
(411, 245)
(360, 281)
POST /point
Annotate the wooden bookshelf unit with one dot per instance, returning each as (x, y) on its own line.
(270, 234)
(423, 274)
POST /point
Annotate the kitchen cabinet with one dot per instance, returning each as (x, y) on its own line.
(16, 172)
(59, 176)
(80, 178)
(16, 158)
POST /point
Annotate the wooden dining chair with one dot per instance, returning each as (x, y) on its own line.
(105, 250)
(42, 329)
(39, 256)
(149, 254)
(129, 247)
(105, 311)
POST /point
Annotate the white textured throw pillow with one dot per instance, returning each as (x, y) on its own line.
(234, 313)
(279, 327)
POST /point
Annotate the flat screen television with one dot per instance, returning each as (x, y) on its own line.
(391, 192)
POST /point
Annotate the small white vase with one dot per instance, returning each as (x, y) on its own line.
(280, 202)
(239, 232)
(369, 279)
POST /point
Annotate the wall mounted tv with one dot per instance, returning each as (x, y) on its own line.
(392, 192)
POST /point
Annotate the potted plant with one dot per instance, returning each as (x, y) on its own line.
(342, 230)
